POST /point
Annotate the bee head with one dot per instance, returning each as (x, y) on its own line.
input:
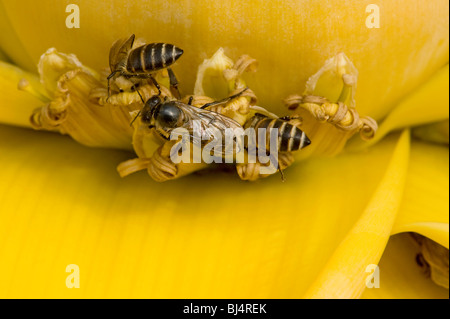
(150, 108)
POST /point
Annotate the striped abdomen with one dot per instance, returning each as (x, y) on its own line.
(290, 137)
(152, 57)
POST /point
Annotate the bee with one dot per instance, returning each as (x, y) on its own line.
(166, 115)
(142, 62)
(290, 137)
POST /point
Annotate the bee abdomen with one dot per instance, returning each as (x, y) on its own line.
(290, 137)
(152, 57)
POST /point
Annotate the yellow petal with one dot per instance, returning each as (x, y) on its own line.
(344, 274)
(11, 42)
(16, 106)
(435, 132)
(427, 104)
(290, 41)
(425, 205)
(202, 236)
(400, 276)
(3, 57)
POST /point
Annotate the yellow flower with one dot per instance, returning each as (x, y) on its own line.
(212, 235)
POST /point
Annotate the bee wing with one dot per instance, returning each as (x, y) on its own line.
(119, 51)
(203, 125)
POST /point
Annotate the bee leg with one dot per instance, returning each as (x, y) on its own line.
(294, 120)
(173, 84)
(109, 87)
(148, 76)
(191, 98)
(109, 91)
(280, 169)
(139, 113)
(288, 118)
(281, 173)
(224, 100)
(155, 84)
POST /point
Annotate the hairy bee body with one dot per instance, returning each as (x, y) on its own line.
(290, 137)
(202, 125)
(152, 57)
(143, 62)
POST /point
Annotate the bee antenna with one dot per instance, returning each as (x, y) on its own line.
(224, 100)
(140, 96)
(282, 175)
(139, 113)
